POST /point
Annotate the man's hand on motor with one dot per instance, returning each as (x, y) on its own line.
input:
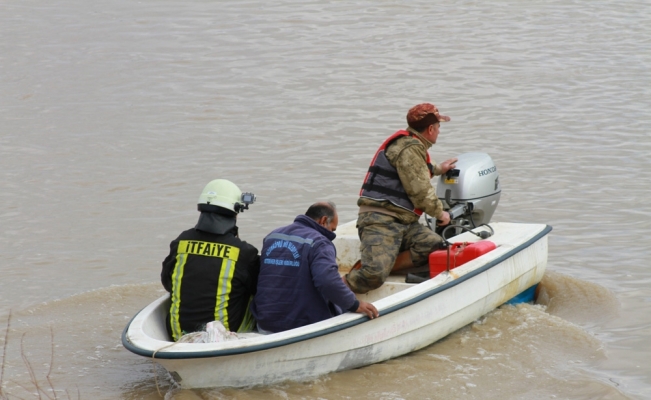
(448, 165)
(368, 309)
(444, 220)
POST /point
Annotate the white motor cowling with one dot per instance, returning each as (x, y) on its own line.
(471, 191)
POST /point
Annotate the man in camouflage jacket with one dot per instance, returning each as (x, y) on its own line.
(396, 191)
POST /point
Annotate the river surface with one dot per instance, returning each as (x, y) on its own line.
(115, 114)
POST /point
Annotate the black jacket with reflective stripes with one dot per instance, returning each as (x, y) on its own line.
(210, 278)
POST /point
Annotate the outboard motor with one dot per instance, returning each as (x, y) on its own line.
(470, 192)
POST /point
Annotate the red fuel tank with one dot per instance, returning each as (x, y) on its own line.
(460, 253)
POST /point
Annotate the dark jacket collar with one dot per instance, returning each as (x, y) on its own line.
(216, 223)
(309, 222)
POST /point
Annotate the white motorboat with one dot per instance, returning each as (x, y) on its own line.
(412, 315)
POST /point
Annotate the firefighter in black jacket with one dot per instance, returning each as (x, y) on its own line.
(210, 273)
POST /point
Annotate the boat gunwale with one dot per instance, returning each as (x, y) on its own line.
(159, 354)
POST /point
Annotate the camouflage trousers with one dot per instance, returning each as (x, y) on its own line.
(382, 237)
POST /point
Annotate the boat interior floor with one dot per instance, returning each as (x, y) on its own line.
(393, 285)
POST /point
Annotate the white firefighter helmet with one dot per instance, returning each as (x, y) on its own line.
(221, 193)
(224, 194)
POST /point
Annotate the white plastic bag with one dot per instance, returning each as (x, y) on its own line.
(215, 332)
(218, 333)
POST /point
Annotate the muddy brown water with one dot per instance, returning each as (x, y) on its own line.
(114, 115)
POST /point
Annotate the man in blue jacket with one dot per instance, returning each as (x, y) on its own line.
(299, 281)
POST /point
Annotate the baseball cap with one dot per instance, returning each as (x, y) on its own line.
(422, 115)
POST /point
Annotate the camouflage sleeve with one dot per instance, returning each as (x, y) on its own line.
(412, 168)
(437, 169)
